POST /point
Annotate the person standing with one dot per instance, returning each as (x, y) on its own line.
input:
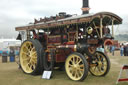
(12, 55)
(4, 56)
(122, 50)
(110, 48)
(113, 49)
(127, 50)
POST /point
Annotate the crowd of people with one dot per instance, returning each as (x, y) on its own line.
(124, 50)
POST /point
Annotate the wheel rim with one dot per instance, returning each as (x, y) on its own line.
(28, 57)
(98, 67)
(74, 67)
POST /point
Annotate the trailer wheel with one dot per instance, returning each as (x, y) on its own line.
(76, 67)
(30, 54)
(100, 64)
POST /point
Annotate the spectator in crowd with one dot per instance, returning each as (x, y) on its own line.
(122, 50)
(4, 56)
(12, 52)
(113, 49)
(127, 50)
(12, 55)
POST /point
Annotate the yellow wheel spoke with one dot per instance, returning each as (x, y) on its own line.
(34, 66)
(73, 60)
(33, 53)
(33, 61)
(71, 69)
(26, 48)
(79, 61)
(105, 64)
(104, 60)
(99, 68)
(92, 65)
(26, 59)
(70, 65)
(34, 58)
(95, 68)
(81, 72)
(81, 65)
(30, 46)
(81, 69)
(28, 67)
(98, 56)
(75, 73)
(33, 49)
(25, 53)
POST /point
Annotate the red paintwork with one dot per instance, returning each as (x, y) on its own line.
(108, 42)
(125, 79)
(69, 43)
(125, 67)
(56, 39)
(60, 58)
(62, 50)
(62, 54)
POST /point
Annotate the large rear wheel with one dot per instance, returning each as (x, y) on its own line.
(76, 67)
(100, 64)
(30, 55)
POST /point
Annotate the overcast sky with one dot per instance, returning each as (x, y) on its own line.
(20, 12)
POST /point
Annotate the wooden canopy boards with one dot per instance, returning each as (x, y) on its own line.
(78, 19)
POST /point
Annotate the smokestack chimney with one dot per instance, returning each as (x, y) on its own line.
(85, 8)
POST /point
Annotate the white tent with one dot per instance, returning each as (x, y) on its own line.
(5, 43)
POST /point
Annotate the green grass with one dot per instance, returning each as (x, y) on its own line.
(11, 75)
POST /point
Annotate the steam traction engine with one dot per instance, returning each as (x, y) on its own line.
(70, 41)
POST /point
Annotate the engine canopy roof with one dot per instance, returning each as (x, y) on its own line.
(107, 18)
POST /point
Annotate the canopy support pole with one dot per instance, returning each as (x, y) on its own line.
(77, 32)
(28, 34)
(101, 33)
(112, 28)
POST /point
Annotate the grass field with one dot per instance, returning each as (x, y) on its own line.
(11, 75)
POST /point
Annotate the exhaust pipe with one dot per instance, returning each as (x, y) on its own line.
(85, 8)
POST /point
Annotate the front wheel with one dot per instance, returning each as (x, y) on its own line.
(30, 57)
(100, 64)
(76, 67)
